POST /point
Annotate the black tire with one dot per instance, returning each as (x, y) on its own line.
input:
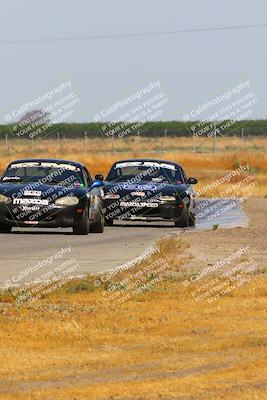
(192, 219)
(98, 227)
(5, 228)
(109, 222)
(183, 222)
(83, 227)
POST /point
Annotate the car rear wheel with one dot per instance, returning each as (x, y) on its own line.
(83, 227)
(183, 222)
(5, 228)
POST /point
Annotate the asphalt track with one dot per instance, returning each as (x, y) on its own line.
(24, 248)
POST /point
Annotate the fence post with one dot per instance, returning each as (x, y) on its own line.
(165, 135)
(7, 144)
(113, 141)
(214, 139)
(85, 140)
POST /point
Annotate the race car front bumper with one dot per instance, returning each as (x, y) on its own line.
(146, 211)
(52, 216)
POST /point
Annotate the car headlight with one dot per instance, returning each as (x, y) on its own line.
(4, 199)
(67, 201)
(112, 196)
(167, 198)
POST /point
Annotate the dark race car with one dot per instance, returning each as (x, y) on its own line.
(149, 190)
(50, 193)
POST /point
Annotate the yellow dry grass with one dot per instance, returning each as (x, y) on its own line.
(99, 154)
(158, 345)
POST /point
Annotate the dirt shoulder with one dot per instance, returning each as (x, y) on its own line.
(210, 246)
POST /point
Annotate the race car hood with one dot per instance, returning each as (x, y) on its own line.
(146, 187)
(43, 191)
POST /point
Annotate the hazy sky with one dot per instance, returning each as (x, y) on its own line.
(191, 68)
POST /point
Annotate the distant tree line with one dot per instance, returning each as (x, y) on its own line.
(150, 129)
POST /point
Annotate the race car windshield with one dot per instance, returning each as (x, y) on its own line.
(144, 172)
(44, 174)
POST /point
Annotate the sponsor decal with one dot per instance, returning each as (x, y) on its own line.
(140, 187)
(38, 202)
(9, 178)
(145, 164)
(63, 166)
(45, 164)
(138, 194)
(137, 217)
(30, 208)
(157, 180)
(140, 205)
(36, 193)
(24, 165)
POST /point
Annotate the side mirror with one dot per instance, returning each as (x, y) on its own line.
(96, 184)
(192, 181)
(99, 177)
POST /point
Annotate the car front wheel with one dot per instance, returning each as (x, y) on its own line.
(83, 226)
(98, 226)
(192, 219)
(109, 222)
(183, 221)
(5, 228)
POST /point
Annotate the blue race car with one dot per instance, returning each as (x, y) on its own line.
(149, 190)
(50, 193)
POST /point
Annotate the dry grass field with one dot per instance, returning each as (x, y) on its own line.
(197, 158)
(160, 345)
